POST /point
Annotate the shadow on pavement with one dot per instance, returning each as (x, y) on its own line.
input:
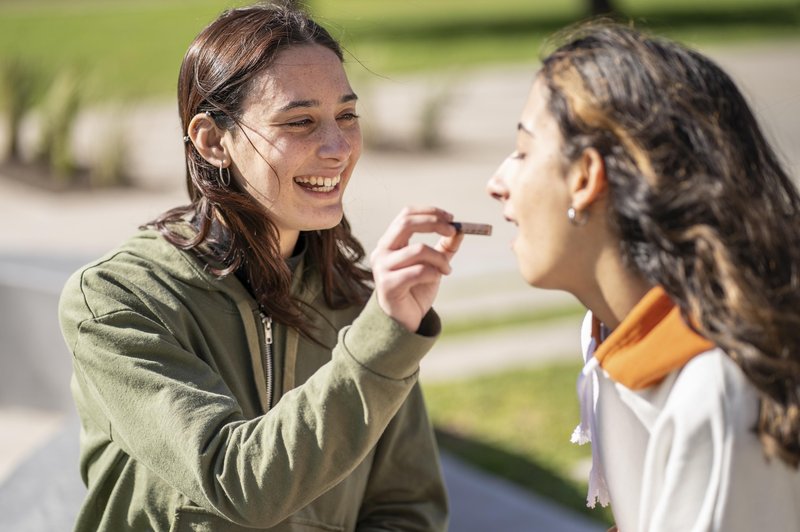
(519, 470)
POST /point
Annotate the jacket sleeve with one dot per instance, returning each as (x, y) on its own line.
(406, 490)
(168, 409)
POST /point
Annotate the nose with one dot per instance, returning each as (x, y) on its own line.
(335, 143)
(496, 186)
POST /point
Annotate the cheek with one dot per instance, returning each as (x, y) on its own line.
(540, 211)
(356, 143)
(251, 159)
(356, 146)
(529, 197)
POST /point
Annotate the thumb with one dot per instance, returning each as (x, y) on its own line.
(449, 244)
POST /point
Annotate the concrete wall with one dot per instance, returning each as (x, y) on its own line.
(44, 490)
(35, 365)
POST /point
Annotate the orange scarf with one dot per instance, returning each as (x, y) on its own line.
(651, 342)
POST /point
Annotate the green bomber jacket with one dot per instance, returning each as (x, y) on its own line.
(171, 379)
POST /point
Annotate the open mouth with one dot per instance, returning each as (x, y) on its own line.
(317, 183)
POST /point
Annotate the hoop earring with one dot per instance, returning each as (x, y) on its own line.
(224, 177)
(576, 217)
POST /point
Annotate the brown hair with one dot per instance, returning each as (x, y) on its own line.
(698, 198)
(215, 77)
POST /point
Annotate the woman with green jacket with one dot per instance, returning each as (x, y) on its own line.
(234, 369)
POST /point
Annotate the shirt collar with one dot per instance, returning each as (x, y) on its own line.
(651, 342)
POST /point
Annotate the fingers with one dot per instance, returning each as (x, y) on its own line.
(394, 250)
(407, 275)
(448, 245)
(413, 220)
(417, 254)
(396, 283)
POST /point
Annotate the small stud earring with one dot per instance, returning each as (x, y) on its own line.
(576, 217)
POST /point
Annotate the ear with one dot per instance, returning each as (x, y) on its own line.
(207, 138)
(587, 181)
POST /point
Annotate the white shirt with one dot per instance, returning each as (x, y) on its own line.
(683, 455)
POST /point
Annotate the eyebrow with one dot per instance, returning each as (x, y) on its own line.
(349, 97)
(521, 127)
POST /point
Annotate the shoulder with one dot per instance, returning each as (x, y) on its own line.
(711, 373)
(711, 388)
(145, 267)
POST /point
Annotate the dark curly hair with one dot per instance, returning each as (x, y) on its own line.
(699, 200)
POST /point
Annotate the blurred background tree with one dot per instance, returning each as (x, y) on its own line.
(60, 109)
(18, 91)
(601, 7)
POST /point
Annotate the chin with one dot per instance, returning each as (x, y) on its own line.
(526, 274)
(531, 276)
(542, 281)
(530, 280)
(328, 222)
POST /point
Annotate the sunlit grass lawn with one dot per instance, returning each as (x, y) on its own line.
(517, 425)
(132, 49)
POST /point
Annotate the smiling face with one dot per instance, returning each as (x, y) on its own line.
(532, 185)
(299, 140)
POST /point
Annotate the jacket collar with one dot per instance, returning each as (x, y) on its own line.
(651, 342)
(194, 270)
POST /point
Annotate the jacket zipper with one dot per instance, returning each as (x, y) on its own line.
(266, 321)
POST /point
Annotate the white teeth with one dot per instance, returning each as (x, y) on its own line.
(320, 184)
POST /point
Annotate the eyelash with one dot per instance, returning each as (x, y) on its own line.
(299, 123)
(349, 117)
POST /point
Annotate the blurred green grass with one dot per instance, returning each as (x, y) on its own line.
(126, 50)
(129, 49)
(491, 322)
(517, 424)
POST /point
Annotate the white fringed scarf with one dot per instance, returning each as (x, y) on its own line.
(588, 391)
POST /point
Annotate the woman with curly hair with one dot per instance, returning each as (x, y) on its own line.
(642, 184)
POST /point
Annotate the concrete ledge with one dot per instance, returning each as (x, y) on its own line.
(35, 365)
(45, 491)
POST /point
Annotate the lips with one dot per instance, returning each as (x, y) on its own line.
(318, 183)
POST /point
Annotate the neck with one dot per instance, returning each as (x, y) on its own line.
(288, 241)
(613, 291)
